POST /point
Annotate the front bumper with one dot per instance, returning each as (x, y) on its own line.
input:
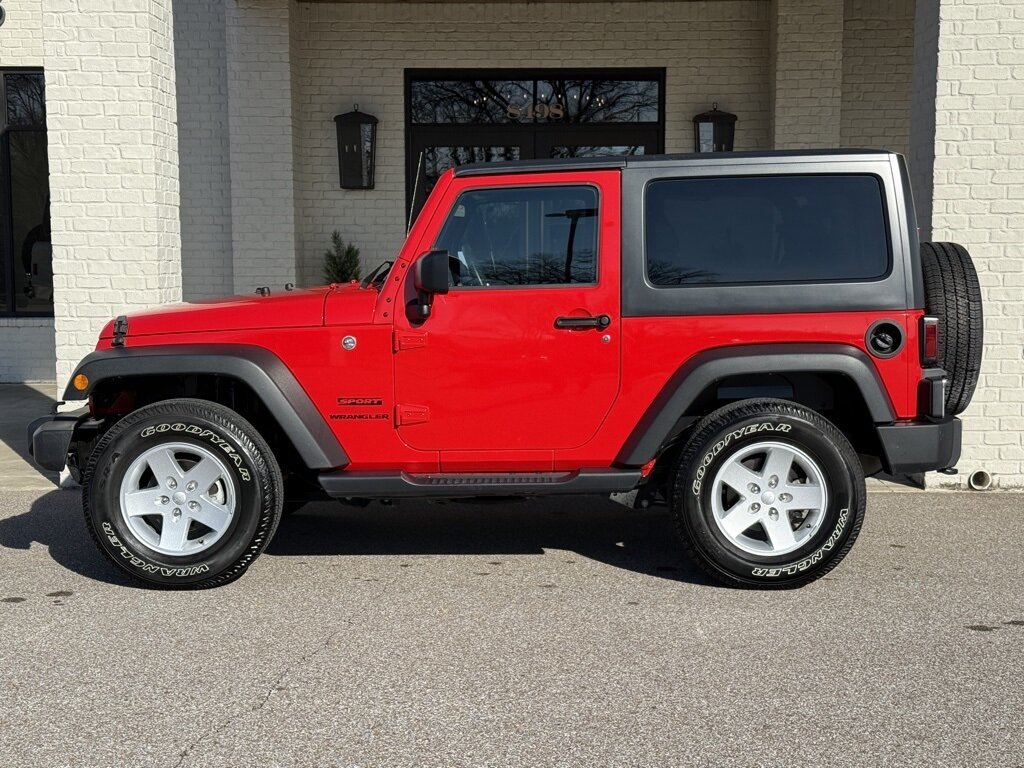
(920, 446)
(49, 438)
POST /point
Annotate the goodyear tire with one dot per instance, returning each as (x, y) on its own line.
(953, 295)
(767, 494)
(182, 494)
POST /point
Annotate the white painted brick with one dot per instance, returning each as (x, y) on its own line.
(806, 49)
(21, 36)
(94, 162)
(357, 52)
(878, 58)
(973, 59)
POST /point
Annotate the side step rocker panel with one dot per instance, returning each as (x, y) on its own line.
(377, 485)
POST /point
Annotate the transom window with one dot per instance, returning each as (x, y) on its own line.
(455, 117)
(522, 236)
(26, 273)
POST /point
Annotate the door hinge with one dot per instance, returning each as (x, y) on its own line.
(402, 340)
(411, 414)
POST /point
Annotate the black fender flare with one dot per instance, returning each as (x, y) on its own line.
(260, 369)
(705, 368)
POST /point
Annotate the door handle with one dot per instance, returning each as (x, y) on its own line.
(573, 323)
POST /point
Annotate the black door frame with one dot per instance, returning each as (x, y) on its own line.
(533, 138)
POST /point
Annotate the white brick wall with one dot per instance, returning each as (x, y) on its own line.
(113, 164)
(978, 201)
(878, 62)
(261, 150)
(806, 50)
(200, 65)
(357, 52)
(21, 36)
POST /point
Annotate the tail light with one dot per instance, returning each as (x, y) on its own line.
(929, 340)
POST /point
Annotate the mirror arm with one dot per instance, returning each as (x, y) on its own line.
(426, 302)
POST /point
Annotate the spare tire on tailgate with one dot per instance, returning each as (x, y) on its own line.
(953, 295)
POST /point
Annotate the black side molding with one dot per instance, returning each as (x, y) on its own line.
(259, 368)
(390, 485)
(704, 369)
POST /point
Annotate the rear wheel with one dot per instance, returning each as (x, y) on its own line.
(768, 494)
(182, 494)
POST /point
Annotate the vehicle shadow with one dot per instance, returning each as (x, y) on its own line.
(55, 521)
(591, 527)
(642, 541)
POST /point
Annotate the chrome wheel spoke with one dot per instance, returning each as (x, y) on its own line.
(204, 475)
(739, 478)
(738, 520)
(164, 465)
(804, 497)
(780, 531)
(778, 464)
(145, 502)
(213, 516)
(174, 535)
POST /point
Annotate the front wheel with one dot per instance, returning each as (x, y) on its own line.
(182, 494)
(768, 494)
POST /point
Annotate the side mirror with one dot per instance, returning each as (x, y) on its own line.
(430, 278)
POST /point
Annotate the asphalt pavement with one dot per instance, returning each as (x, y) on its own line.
(568, 632)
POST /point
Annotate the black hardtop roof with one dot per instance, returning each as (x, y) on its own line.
(612, 162)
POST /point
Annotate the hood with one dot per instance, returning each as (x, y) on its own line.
(288, 309)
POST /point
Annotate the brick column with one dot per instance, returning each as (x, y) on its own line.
(260, 129)
(968, 172)
(113, 164)
(806, 43)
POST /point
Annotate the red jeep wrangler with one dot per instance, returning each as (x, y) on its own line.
(739, 337)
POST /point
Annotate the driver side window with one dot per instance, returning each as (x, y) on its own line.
(522, 236)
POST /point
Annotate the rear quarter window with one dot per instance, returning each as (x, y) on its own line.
(765, 229)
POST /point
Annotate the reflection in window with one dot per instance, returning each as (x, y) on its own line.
(469, 101)
(748, 229)
(522, 236)
(437, 160)
(26, 105)
(581, 151)
(26, 277)
(585, 100)
(602, 101)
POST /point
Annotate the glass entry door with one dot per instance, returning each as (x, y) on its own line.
(456, 117)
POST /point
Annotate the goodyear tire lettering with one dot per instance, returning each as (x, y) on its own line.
(201, 434)
(750, 429)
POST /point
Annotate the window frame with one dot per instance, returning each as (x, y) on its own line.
(8, 257)
(532, 185)
(884, 204)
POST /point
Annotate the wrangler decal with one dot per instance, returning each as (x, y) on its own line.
(142, 565)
